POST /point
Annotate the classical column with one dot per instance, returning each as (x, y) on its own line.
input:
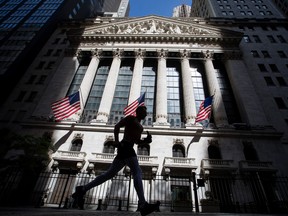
(218, 108)
(246, 97)
(161, 96)
(109, 89)
(135, 89)
(89, 76)
(188, 91)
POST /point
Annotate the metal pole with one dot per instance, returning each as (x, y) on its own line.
(195, 192)
(263, 191)
(64, 189)
(128, 199)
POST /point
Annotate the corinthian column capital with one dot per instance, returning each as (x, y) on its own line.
(184, 54)
(207, 54)
(118, 53)
(140, 53)
(96, 53)
(162, 53)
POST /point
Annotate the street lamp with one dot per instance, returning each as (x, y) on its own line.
(90, 168)
(55, 166)
(79, 166)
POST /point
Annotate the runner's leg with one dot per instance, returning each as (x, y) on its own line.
(115, 167)
(133, 164)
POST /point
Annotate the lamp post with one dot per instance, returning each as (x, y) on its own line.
(55, 166)
(79, 166)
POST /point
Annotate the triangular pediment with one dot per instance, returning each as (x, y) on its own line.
(155, 25)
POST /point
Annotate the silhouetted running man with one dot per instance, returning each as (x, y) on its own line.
(125, 156)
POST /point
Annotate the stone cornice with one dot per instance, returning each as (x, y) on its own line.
(227, 42)
(192, 131)
(154, 29)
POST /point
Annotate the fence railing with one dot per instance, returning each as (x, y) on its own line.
(253, 193)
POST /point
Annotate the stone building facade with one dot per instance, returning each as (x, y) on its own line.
(178, 63)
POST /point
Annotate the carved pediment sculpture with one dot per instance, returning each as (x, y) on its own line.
(151, 26)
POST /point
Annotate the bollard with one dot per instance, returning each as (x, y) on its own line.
(119, 205)
(99, 204)
(66, 203)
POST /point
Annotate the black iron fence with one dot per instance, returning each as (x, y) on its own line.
(253, 193)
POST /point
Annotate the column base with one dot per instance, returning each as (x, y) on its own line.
(161, 124)
(71, 121)
(101, 119)
(97, 122)
(193, 126)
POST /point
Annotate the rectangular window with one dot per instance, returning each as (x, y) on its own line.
(32, 96)
(266, 54)
(41, 79)
(280, 103)
(281, 39)
(48, 53)
(269, 81)
(271, 39)
(56, 41)
(273, 68)
(20, 96)
(281, 54)
(256, 39)
(255, 54)
(40, 65)
(246, 38)
(50, 65)
(31, 79)
(264, 28)
(281, 81)
(57, 52)
(262, 68)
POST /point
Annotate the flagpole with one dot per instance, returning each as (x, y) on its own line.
(82, 102)
(210, 114)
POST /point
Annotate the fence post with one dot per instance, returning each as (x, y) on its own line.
(263, 191)
(128, 199)
(65, 188)
(195, 192)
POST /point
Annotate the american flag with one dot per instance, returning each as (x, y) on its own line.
(204, 109)
(131, 108)
(66, 107)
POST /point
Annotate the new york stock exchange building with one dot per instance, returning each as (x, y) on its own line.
(230, 163)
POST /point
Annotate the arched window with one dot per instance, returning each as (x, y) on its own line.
(250, 152)
(76, 145)
(214, 152)
(143, 150)
(178, 151)
(109, 147)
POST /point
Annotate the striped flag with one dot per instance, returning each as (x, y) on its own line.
(204, 109)
(66, 107)
(131, 108)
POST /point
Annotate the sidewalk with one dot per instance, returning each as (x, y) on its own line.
(75, 212)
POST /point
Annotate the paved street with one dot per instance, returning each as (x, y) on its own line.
(70, 212)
